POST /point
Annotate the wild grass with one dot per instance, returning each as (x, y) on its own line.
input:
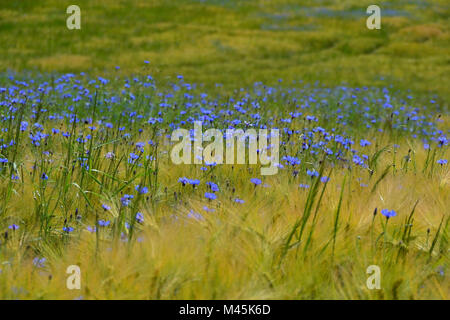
(71, 152)
(284, 242)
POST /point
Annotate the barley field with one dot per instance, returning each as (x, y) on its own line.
(88, 178)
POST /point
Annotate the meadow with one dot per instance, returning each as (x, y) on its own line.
(85, 141)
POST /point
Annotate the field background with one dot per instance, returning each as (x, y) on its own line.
(236, 42)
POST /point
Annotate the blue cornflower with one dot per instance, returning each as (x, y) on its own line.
(237, 200)
(139, 217)
(195, 215)
(109, 155)
(324, 179)
(39, 262)
(210, 164)
(23, 126)
(44, 176)
(312, 173)
(358, 160)
(126, 199)
(13, 227)
(67, 229)
(133, 157)
(442, 141)
(293, 161)
(103, 223)
(183, 181)
(106, 207)
(255, 181)
(388, 213)
(442, 161)
(140, 145)
(141, 190)
(210, 196)
(214, 187)
(194, 182)
(208, 209)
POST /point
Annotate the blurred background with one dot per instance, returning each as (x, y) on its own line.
(235, 42)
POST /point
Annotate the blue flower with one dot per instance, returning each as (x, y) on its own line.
(442, 141)
(141, 190)
(256, 181)
(23, 126)
(312, 173)
(388, 213)
(194, 215)
(106, 207)
(185, 181)
(140, 145)
(103, 223)
(293, 161)
(324, 179)
(109, 155)
(13, 226)
(133, 158)
(442, 161)
(139, 217)
(126, 199)
(214, 187)
(39, 262)
(194, 182)
(210, 196)
(67, 229)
